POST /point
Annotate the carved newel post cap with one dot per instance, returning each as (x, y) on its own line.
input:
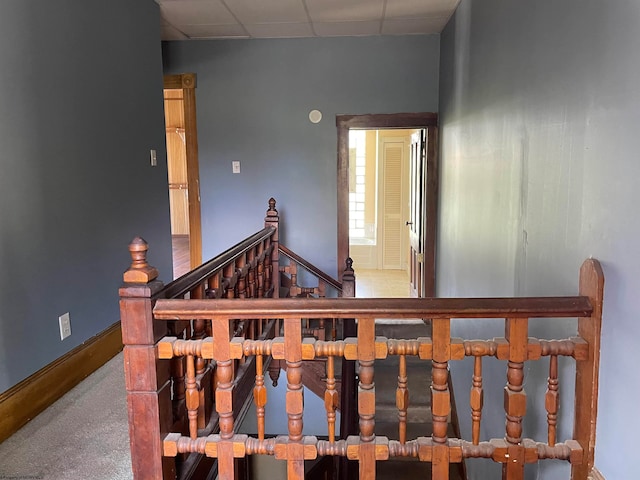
(349, 263)
(139, 271)
(272, 207)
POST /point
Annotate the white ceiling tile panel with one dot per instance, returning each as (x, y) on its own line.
(344, 10)
(290, 18)
(196, 12)
(213, 31)
(336, 29)
(420, 8)
(279, 30)
(268, 11)
(167, 32)
(424, 25)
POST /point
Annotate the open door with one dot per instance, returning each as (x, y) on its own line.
(422, 223)
(429, 193)
(182, 157)
(417, 184)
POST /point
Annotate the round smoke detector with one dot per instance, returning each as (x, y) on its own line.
(315, 116)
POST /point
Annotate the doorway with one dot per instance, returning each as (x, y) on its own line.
(183, 171)
(379, 210)
(423, 193)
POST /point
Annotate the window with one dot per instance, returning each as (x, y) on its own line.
(357, 167)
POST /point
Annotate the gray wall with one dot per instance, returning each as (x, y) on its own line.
(253, 101)
(540, 104)
(80, 107)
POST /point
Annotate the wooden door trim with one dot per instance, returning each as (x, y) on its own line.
(187, 82)
(385, 121)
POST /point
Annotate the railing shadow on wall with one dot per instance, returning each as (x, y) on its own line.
(168, 339)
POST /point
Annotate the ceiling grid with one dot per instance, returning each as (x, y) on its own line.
(216, 19)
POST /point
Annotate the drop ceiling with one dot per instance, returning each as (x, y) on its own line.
(209, 19)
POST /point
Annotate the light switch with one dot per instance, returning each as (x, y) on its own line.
(235, 166)
(154, 158)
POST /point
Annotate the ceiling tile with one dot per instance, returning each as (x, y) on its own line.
(344, 10)
(196, 12)
(268, 11)
(167, 32)
(336, 29)
(213, 31)
(279, 30)
(420, 8)
(407, 26)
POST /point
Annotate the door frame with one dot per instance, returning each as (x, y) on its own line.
(187, 83)
(425, 120)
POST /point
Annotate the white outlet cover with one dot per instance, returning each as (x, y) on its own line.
(64, 322)
(235, 166)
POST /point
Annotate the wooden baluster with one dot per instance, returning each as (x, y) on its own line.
(515, 399)
(476, 399)
(295, 397)
(260, 396)
(331, 399)
(230, 276)
(260, 270)
(272, 268)
(241, 272)
(224, 397)
(322, 288)
(147, 382)
(274, 371)
(294, 290)
(193, 397)
(251, 273)
(552, 400)
(200, 332)
(178, 386)
(366, 397)
(440, 396)
(402, 399)
(267, 266)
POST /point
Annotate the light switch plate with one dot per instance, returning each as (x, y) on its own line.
(235, 166)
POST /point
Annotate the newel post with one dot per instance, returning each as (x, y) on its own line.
(146, 380)
(273, 220)
(348, 391)
(586, 399)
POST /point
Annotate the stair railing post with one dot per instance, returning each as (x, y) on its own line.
(272, 219)
(587, 371)
(348, 404)
(147, 380)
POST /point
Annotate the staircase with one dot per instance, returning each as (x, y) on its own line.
(419, 411)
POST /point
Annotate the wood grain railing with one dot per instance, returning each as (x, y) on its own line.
(289, 279)
(183, 394)
(516, 348)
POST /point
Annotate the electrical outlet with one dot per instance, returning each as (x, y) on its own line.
(65, 325)
(235, 166)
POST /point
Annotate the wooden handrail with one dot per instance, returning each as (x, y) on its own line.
(310, 267)
(189, 280)
(523, 307)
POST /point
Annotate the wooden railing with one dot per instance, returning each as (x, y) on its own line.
(151, 319)
(179, 395)
(516, 348)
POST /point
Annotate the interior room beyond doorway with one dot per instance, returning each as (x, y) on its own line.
(379, 208)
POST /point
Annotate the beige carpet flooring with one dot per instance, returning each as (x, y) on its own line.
(84, 435)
